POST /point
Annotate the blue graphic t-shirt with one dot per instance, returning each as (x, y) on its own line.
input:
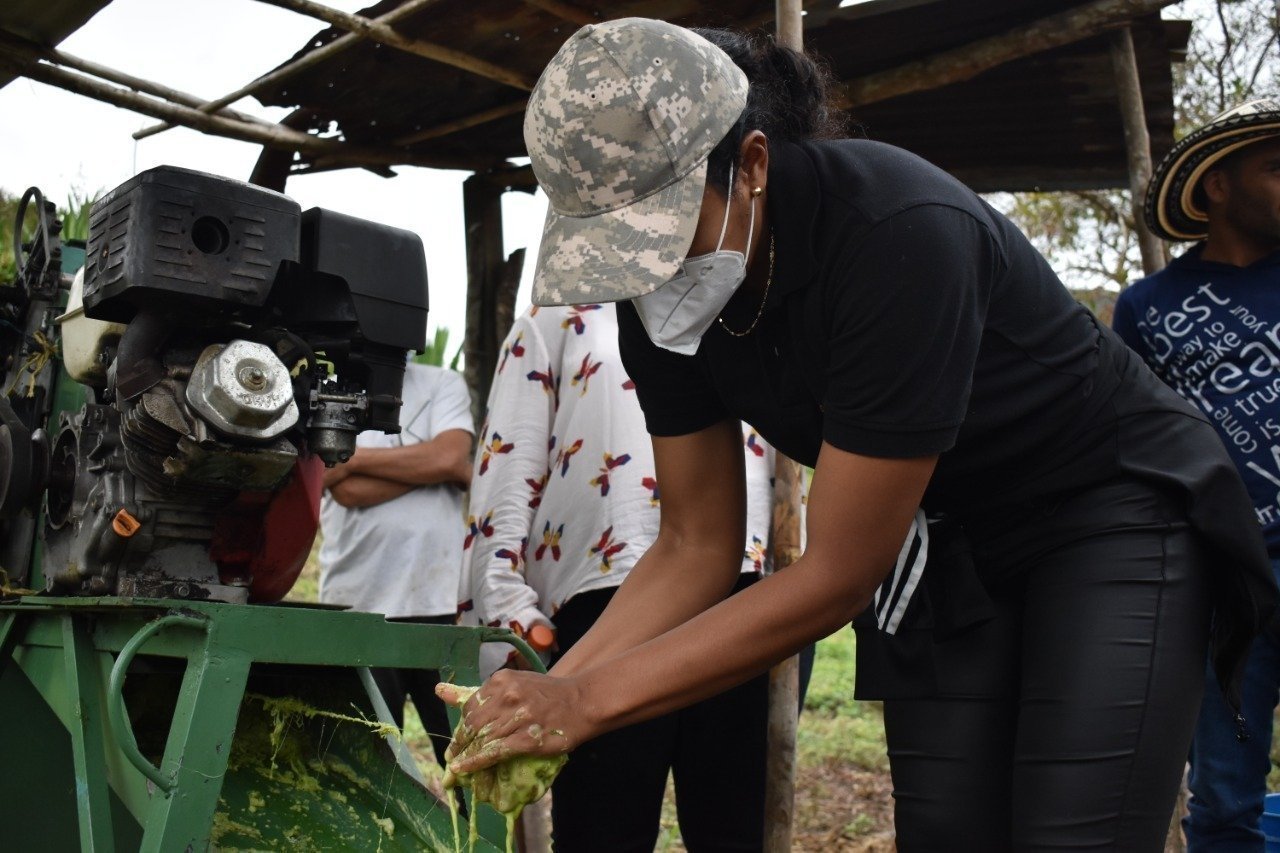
(1212, 332)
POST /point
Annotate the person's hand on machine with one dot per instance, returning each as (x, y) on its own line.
(516, 713)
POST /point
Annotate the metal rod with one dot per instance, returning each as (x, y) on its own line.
(968, 61)
(383, 34)
(502, 635)
(118, 716)
(1137, 144)
(284, 72)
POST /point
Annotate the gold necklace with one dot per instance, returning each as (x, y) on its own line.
(760, 311)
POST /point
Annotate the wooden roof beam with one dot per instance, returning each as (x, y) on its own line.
(383, 34)
(33, 53)
(219, 125)
(573, 14)
(939, 70)
(970, 60)
(284, 72)
(482, 117)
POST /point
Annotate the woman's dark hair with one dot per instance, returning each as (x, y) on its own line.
(789, 98)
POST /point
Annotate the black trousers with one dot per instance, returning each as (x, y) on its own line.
(1097, 651)
(396, 685)
(609, 795)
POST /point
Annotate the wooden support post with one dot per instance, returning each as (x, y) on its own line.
(790, 23)
(784, 679)
(504, 307)
(784, 541)
(482, 219)
(1138, 143)
(492, 278)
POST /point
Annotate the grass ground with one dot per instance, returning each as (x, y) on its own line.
(843, 800)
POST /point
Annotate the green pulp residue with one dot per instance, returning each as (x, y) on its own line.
(509, 785)
(317, 780)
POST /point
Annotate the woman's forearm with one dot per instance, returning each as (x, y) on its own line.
(860, 509)
(726, 645)
(666, 587)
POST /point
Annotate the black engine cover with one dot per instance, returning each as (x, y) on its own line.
(178, 239)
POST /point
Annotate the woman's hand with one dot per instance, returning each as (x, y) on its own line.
(516, 713)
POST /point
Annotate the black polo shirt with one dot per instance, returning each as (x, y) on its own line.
(906, 318)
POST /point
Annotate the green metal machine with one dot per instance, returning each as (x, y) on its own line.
(165, 414)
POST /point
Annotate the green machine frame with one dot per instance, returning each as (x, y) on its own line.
(74, 774)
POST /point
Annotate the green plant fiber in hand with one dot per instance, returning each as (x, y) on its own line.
(511, 784)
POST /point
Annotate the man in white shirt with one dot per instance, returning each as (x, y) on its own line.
(391, 519)
(564, 501)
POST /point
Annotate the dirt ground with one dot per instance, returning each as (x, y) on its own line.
(842, 808)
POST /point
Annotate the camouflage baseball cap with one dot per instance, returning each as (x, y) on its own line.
(619, 129)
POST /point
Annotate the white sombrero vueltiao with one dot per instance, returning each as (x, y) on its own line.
(1171, 209)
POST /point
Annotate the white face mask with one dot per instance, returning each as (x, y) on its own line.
(678, 313)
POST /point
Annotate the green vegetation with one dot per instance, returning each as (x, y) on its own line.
(8, 210)
(435, 352)
(75, 225)
(834, 726)
(835, 731)
(75, 214)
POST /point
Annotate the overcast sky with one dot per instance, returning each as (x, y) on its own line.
(62, 142)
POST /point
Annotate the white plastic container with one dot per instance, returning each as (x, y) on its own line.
(84, 339)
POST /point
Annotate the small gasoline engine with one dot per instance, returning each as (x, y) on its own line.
(220, 347)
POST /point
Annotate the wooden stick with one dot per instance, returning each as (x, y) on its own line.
(465, 122)
(33, 53)
(1137, 143)
(788, 14)
(217, 125)
(565, 11)
(784, 679)
(968, 61)
(383, 34)
(300, 64)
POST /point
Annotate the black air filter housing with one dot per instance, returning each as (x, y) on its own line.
(181, 240)
(385, 271)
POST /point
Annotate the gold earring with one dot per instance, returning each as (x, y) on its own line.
(755, 193)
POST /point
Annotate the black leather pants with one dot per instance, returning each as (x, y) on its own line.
(1097, 652)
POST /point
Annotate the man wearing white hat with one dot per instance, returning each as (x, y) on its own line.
(1209, 326)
